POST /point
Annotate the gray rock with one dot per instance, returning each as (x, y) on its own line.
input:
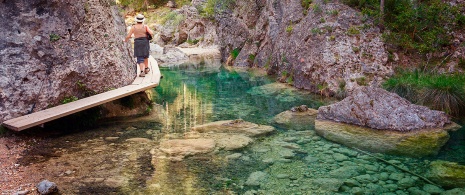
(432, 189)
(345, 172)
(23, 192)
(340, 157)
(416, 191)
(406, 182)
(256, 178)
(42, 61)
(377, 108)
(46, 187)
(396, 176)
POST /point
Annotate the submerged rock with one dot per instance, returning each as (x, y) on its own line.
(376, 120)
(256, 178)
(234, 126)
(447, 174)
(301, 119)
(47, 187)
(414, 144)
(178, 149)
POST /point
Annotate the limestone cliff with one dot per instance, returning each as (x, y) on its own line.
(325, 48)
(51, 50)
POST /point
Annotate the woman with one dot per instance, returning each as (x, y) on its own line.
(141, 44)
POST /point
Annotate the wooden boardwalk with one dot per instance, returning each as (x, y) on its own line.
(151, 80)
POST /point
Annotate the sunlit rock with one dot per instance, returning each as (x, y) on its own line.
(178, 149)
(234, 126)
(297, 119)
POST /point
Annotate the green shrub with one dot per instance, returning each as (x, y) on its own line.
(289, 29)
(251, 58)
(69, 99)
(353, 30)
(362, 81)
(54, 37)
(317, 8)
(322, 20)
(172, 17)
(306, 4)
(438, 91)
(423, 26)
(315, 31)
(235, 53)
(192, 42)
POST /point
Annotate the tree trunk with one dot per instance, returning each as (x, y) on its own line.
(381, 15)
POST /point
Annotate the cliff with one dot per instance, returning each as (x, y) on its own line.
(325, 47)
(53, 51)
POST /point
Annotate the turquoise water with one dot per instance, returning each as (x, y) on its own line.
(120, 157)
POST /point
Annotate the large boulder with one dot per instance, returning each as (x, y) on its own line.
(298, 118)
(53, 50)
(447, 174)
(377, 108)
(379, 121)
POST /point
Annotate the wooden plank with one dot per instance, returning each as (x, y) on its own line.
(41, 117)
(38, 118)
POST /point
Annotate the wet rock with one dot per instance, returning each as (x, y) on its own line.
(447, 174)
(396, 176)
(345, 172)
(416, 191)
(366, 179)
(111, 138)
(178, 149)
(234, 126)
(282, 176)
(406, 182)
(234, 156)
(46, 187)
(233, 142)
(391, 187)
(256, 178)
(455, 191)
(327, 184)
(302, 120)
(286, 153)
(417, 143)
(340, 157)
(432, 189)
(352, 183)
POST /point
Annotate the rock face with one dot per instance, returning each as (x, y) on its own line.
(297, 120)
(379, 121)
(319, 48)
(52, 50)
(379, 109)
(447, 174)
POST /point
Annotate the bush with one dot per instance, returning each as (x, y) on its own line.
(438, 91)
(423, 26)
(235, 53)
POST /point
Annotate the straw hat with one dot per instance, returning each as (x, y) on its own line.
(140, 18)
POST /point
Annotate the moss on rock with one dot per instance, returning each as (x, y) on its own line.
(447, 174)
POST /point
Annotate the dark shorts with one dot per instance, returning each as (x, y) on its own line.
(141, 59)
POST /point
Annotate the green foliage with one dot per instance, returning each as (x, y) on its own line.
(322, 20)
(212, 7)
(290, 79)
(192, 42)
(69, 99)
(438, 91)
(317, 9)
(54, 37)
(334, 13)
(353, 30)
(173, 17)
(289, 29)
(423, 26)
(251, 58)
(235, 53)
(356, 49)
(332, 38)
(362, 81)
(315, 31)
(306, 5)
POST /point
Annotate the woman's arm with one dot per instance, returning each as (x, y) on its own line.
(148, 30)
(129, 34)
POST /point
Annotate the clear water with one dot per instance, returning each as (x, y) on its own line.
(105, 160)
